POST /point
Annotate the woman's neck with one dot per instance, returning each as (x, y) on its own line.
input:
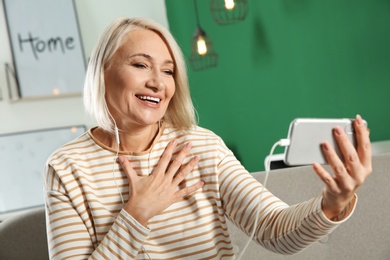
(134, 140)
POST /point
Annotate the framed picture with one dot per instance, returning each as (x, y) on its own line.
(47, 50)
(22, 160)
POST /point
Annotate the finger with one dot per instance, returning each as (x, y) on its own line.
(184, 171)
(339, 170)
(178, 161)
(165, 158)
(330, 183)
(363, 142)
(184, 192)
(351, 159)
(126, 166)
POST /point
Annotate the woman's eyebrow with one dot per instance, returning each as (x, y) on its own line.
(147, 56)
(142, 55)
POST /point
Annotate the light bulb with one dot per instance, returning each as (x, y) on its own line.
(201, 46)
(56, 91)
(229, 4)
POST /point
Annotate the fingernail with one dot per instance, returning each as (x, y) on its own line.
(174, 142)
(316, 166)
(338, 130)
(121, 159)
(359, 119)
(325, 146)
(189, 144)
(196, 158)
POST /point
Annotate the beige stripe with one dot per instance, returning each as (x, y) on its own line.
(71, 249)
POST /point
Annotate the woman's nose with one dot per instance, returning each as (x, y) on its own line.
(155, 81)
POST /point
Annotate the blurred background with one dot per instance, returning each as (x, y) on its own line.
(289, 59)
(285, 59)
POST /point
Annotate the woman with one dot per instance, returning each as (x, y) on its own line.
(149, 183)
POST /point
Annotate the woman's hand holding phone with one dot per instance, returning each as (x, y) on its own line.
(348, 174)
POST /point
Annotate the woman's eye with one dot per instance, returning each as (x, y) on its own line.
(139, 65)
(168, 72)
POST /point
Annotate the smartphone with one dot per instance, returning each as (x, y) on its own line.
(306, 136)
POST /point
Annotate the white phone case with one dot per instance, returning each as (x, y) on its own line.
(306, 136)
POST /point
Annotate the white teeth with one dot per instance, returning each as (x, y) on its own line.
(153, 99)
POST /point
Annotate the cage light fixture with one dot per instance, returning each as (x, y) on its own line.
(225, 12)
(203, 55)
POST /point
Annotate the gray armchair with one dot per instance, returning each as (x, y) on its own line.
(23, 236)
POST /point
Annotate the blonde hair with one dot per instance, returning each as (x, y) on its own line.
(180, 112)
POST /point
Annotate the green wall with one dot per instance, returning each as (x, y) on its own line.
(288, 59)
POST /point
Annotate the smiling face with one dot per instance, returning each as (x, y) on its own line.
(139, 80)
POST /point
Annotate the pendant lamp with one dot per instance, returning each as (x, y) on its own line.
(202, 51)
(227, 12)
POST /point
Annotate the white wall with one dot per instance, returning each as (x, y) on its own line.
(93, 16)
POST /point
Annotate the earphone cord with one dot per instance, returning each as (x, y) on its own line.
(113, 175)
(282, 142)
(113, 171)
(120, 193)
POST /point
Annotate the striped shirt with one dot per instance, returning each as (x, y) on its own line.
(85, 219)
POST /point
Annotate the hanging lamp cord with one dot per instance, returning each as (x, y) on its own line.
(196, 13)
